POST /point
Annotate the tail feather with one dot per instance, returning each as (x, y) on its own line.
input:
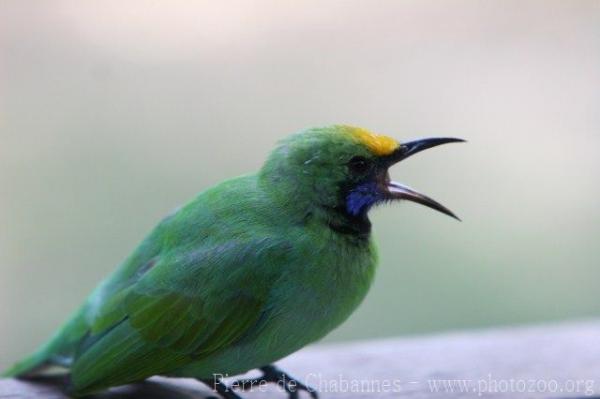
(58, 351)
(31, 365)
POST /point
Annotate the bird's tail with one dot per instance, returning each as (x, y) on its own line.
(58, 351)
(29, 366)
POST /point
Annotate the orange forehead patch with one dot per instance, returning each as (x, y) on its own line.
(378, 144)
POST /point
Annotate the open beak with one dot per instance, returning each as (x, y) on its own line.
(400, 191)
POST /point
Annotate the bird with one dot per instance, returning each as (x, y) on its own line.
(249, 271)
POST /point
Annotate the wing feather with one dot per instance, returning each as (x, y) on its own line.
(187, 307)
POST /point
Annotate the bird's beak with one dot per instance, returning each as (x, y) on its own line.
(400, 191)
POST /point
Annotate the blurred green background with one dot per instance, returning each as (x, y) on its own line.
(113, 113)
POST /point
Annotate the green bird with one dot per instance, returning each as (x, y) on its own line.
(250, 271)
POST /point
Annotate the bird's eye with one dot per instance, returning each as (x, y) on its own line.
(358, 165)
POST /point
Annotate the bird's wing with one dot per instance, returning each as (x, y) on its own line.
(189, 304)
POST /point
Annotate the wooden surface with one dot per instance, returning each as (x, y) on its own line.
(552, 361)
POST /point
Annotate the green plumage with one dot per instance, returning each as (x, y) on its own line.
(248, 272)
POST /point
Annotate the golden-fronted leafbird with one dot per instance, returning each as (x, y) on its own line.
(248, 272)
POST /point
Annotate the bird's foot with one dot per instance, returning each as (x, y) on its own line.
(272, 374)
(221, 388)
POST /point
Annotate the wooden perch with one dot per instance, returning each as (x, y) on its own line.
(560, 361)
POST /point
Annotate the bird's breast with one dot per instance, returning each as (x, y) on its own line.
(321, 288)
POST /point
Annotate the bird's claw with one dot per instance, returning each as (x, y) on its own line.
(272, 374)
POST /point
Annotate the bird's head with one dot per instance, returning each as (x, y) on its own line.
(342, 172)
